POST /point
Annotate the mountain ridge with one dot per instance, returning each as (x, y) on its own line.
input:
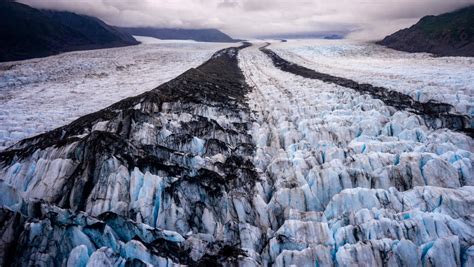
(448, 34)
(30, 33)
(200, 35)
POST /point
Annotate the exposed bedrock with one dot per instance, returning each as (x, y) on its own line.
(436, 115)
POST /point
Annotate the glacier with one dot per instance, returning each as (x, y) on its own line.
(420, 75)
(154, 179)
(237, 162)
(39, 95)
(350, 181)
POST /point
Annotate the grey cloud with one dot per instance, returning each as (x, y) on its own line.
(228, 4)
(246, 18)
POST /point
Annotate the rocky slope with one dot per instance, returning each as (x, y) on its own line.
(27, 32)
(450, 34)
(200, 35)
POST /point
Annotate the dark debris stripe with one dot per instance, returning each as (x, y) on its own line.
(436, 115)
(219, 83)
(218, 80)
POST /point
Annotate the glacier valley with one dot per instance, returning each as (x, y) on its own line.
(38, 95)
(239, 161)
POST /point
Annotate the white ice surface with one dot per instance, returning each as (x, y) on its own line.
(420, 75)
(38, 95)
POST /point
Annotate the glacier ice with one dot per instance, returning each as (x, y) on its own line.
(443, 79)
(141, 182)
(206, 169)
(385, 183)
(39, 95)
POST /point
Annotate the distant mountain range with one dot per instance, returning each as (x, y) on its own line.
(308, 35)
(450, 34)
(200, 35)
(27, 32)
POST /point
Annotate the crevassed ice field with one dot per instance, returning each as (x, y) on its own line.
(39, 95)
(341, 177)
(420, 75)
(312, 137)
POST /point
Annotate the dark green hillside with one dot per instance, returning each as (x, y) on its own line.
(450, 34)
(26, 32)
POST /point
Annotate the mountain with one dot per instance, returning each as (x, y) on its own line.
(200, 35)
(308, 35)
(450, 34)
(92, 27)
(27, 32)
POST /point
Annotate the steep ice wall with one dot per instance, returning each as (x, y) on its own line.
(347, 180)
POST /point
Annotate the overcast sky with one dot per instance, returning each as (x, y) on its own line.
(366, 19)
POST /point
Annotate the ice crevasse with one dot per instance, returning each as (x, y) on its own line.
(239, 163)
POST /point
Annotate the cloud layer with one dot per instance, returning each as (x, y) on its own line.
(368, 19)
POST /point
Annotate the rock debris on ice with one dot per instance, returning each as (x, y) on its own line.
(252, 167)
